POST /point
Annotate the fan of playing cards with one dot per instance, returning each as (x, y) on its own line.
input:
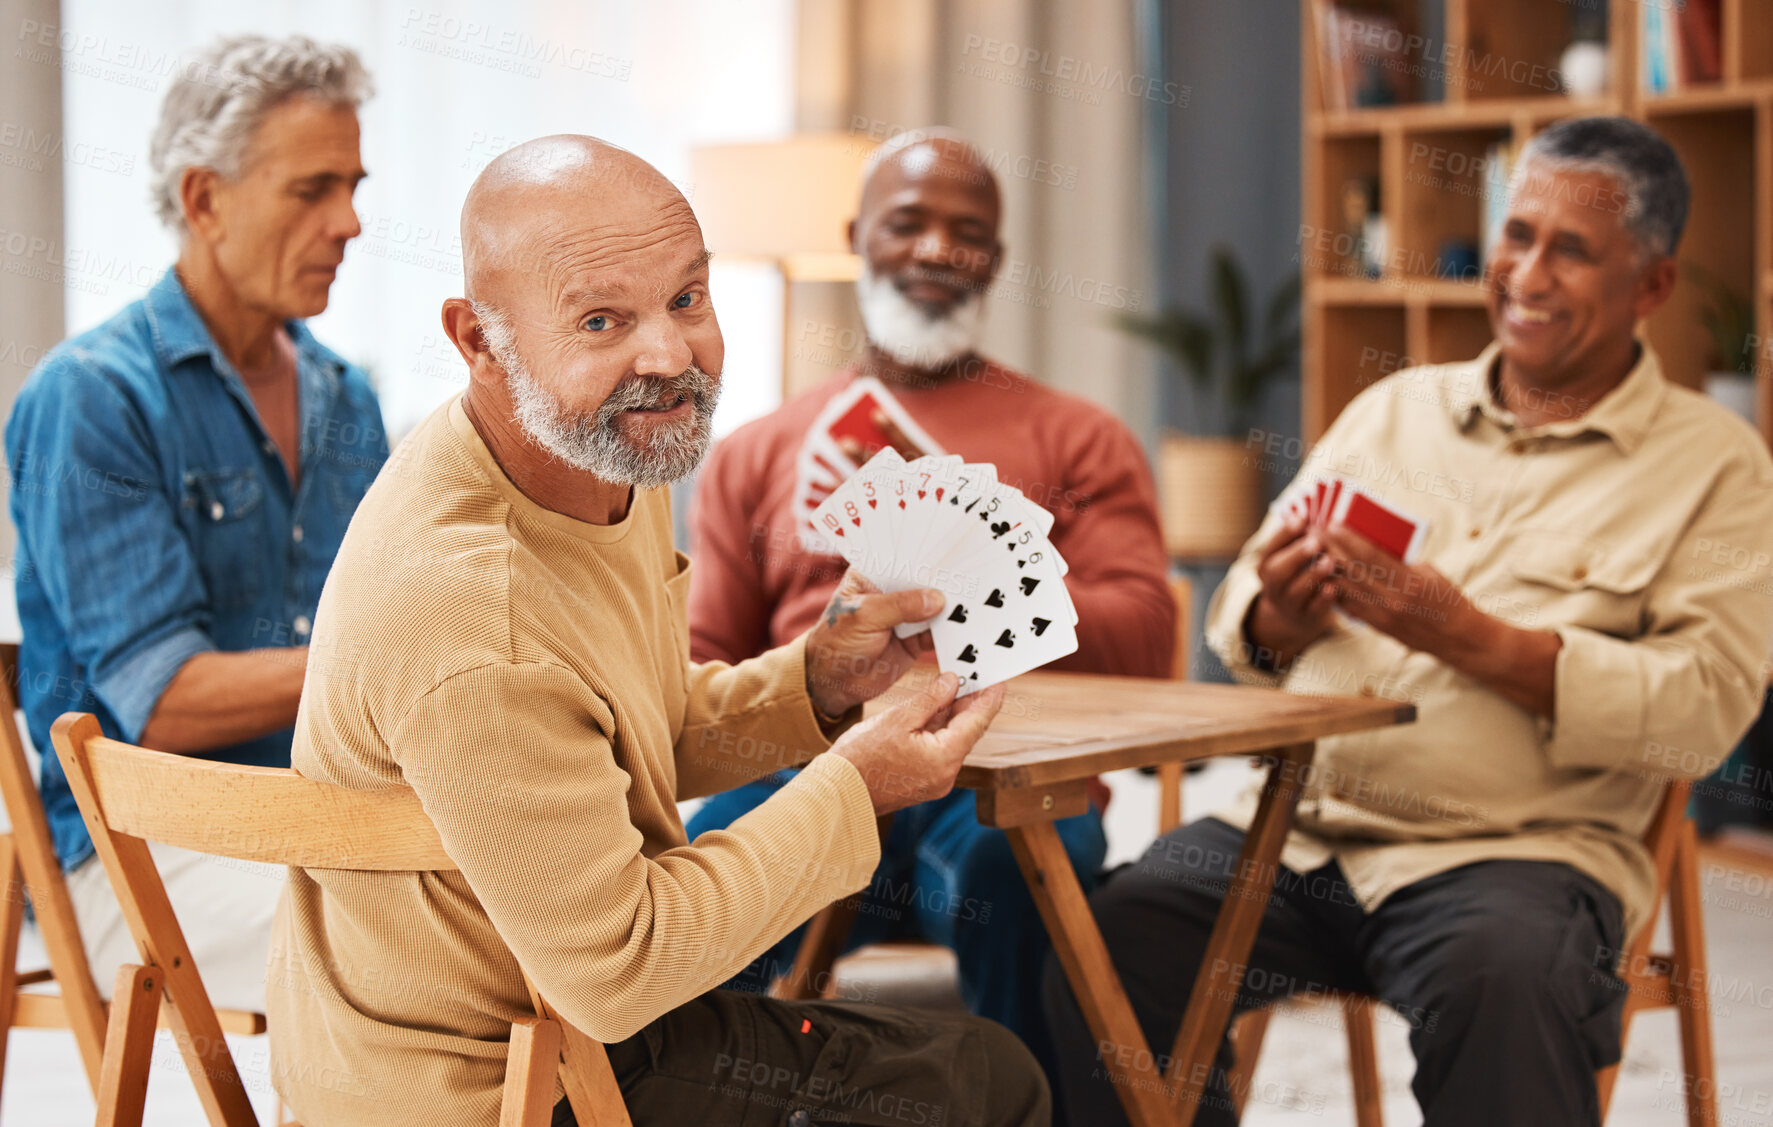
(1336, 502)
(940, 522)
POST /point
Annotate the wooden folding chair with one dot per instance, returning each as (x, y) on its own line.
(130, 796)
(1676, 979)
(33, 873)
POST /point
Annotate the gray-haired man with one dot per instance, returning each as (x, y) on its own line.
(183, 474)
(1591, 620)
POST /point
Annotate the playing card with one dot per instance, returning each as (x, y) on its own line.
(1387, 528)
(852, 415)
(939, 522)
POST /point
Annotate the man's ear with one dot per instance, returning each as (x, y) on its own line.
(462, 325)
(198, 200)
(850, 233)
(1656, 284)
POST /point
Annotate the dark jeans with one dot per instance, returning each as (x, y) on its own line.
(1503, 971)
(729, 1059)
(946, 879)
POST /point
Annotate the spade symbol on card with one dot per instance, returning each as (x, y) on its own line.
(959, 615)
(995, 599)
(969, 654)
(1040, 626)
(998, 529)
(1029, 583)
(1007, 640)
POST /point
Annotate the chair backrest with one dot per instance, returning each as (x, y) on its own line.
(130, 796)
(48, 890)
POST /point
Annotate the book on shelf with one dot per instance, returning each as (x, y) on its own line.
(1361, 60)
(1498, 169)
(1682, 46)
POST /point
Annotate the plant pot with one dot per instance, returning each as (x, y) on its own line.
(1209, 494)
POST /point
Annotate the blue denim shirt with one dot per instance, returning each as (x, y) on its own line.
(156, 521)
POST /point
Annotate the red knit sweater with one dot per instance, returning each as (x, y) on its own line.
(752, 587)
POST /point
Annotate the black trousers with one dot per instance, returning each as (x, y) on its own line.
(1503, 971)
(730, 1059)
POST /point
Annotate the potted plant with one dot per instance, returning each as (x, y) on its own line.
(1730, 320)
(1210, 486)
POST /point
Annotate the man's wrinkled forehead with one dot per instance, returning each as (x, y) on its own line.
(623, 264)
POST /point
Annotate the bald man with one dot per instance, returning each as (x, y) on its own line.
(504, 632)
(927, 233)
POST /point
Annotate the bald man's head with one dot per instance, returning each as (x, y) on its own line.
(587, 289)
(926, 230)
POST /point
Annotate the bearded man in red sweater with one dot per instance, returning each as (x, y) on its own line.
(927, 232)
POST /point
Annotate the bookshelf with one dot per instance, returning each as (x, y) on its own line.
(1474, 80)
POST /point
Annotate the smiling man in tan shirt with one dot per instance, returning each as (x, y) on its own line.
(505, 633)
(1591, 620)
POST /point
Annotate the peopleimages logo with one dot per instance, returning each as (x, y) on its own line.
(1080, 75)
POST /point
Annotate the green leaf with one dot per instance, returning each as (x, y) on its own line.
(1229, 301)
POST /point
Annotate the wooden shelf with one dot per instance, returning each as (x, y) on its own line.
(1428, 116)
(1428, 163)
(1699, 99)
(1397, 291)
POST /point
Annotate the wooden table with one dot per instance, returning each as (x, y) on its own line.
(1057, 731)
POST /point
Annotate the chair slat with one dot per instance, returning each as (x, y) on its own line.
(265, 814)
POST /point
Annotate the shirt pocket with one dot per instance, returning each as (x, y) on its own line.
(1567, 578)
(230, 545)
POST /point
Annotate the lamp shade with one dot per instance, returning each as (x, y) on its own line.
(787, 201)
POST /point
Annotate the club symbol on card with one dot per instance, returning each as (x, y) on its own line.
(995, 599)
(998, 529)
(1029, 583)
(959, 615)
(1007, 640)
(969, 654)
(1040, 626)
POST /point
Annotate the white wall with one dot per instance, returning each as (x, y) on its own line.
(457, 81)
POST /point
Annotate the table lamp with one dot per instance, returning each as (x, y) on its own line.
(785, 202)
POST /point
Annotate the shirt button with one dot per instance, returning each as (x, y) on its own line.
(799, 1119)
(216, 511)
(1581, 573)
(301, 624)
(296, 534)
(1366, 690)
(1476, 532)
(267, 447)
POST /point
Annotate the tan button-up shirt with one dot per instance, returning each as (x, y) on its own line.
(1641, 532)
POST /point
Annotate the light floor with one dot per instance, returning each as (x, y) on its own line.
(1303, 1077)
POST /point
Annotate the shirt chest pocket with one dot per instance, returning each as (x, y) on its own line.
(224, 508)
(1567, 578)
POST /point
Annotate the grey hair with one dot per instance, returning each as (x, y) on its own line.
(1644, 165)
(222, 95)
(496, 330)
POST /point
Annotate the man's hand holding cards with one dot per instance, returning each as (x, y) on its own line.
(943, 523)
(1336, 502)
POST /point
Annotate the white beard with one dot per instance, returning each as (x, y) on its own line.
(902, 330)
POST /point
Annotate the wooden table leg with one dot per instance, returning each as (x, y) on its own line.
(811, 977)
(1234, 932)
(1078, 943)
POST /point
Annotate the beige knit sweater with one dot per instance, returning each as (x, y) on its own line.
(528, 675)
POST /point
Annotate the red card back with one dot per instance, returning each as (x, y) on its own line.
(1383, 528)
(858, 423)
